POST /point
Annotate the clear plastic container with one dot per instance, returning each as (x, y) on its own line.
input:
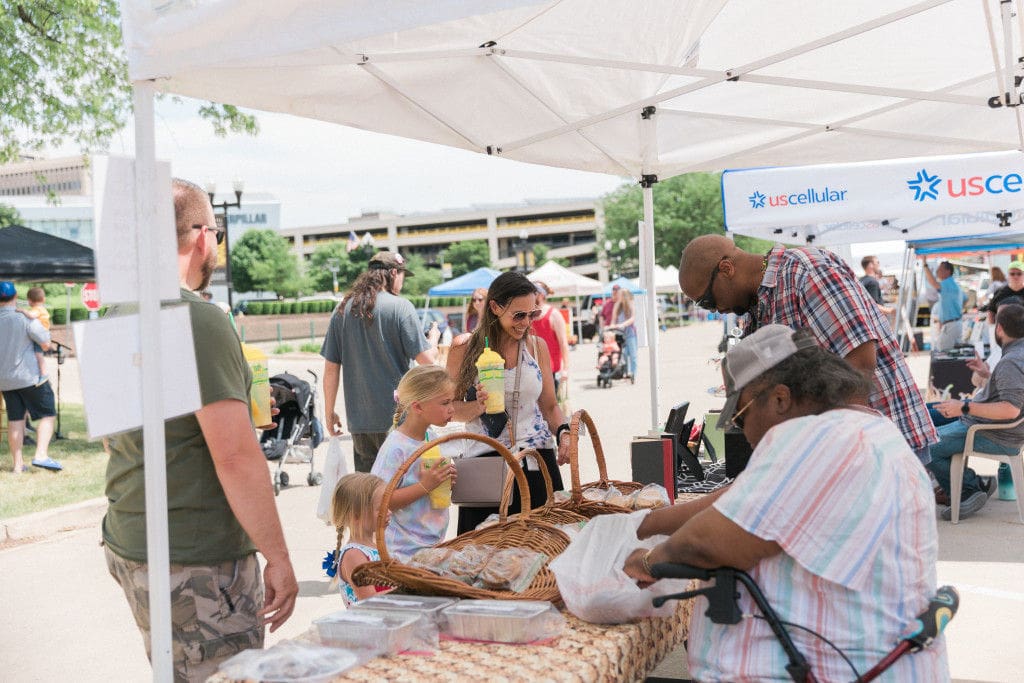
(371, 630)
(428, 606)
(502, 621)
(291, 662)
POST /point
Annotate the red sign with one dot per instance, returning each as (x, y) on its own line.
(91, 296)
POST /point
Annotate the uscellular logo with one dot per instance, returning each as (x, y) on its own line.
(930, 186)
(825, 195)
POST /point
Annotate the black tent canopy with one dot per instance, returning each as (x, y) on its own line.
(35, 256)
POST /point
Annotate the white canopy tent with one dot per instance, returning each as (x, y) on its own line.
(647, 90)
(565, 282)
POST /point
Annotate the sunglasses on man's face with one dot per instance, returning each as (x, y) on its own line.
(737, 420)
(220, 232)
(707, 299)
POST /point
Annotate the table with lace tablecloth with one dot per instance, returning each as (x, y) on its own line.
(584, 653)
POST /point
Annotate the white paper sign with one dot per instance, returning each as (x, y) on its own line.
(110, 365)
(117, 263)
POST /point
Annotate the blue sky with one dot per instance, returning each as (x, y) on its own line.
(325, 173)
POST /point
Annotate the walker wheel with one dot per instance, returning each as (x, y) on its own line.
(284, 479)
(314, 478)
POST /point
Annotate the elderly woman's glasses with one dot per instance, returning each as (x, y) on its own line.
(738, 420)
(707, 299)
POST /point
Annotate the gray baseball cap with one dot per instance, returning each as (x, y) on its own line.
(754, 356)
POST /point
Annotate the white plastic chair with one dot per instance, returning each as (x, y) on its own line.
(959, 462)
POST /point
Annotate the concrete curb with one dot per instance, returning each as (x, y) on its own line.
(50, 522)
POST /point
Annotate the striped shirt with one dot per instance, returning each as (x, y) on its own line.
(856, 523)
(811, 288)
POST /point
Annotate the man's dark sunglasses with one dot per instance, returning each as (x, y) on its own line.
(218, 231)
(707, 299)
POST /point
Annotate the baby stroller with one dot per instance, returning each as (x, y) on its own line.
(298, 431)
(617, 370)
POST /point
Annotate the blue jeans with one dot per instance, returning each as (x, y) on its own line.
(631, 351)
(951, 441)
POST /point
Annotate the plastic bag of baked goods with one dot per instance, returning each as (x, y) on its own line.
(651, 496)
(590, 576)
(510, 569)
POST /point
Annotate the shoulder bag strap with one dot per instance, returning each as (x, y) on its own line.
(515, 399)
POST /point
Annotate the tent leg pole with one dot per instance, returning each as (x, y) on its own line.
(649, 152)
(157, 537)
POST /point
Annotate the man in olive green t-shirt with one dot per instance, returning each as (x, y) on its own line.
(220, 504)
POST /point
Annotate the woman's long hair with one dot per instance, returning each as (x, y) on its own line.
(624, 304)
(505, 287)
(471, 309)
(365, 289)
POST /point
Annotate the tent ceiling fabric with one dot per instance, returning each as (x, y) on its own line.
(565, 282)
(35, 256)
(735, 82)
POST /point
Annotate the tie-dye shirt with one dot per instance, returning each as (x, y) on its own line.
(853, 511)
(417, 525)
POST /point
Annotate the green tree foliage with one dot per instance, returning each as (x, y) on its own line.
(424, 279)
(466, 257)
(685, 207)
(262, 261)
(9, 216)
(64, 77)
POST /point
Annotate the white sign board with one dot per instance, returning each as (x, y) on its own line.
(114, 220)
(110, 364)
(921, 187)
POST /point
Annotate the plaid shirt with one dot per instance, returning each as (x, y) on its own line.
(811, 288)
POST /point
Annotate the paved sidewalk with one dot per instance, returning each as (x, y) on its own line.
(58, 585)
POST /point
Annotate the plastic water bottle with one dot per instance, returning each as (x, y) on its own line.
(1005, 479)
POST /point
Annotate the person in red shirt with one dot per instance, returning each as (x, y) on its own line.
(608, 307)
(550, 327)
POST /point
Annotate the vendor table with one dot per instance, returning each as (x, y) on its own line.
(588, 653)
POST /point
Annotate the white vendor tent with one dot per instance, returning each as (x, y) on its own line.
(647, 90)
(565, 282)
(666, 280)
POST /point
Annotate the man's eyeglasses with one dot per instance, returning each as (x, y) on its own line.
(520, 316)
(738, 420)
(707, 299)
(220, 232)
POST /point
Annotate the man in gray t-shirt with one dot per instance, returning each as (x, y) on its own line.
(23, 390)
(375, 336)
(1000, 400)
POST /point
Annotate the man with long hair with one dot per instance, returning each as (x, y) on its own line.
(374, 333)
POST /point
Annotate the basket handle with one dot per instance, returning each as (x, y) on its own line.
(506, 492)
(503, 451)
(579, 416)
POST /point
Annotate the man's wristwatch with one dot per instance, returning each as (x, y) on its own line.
(965, 408)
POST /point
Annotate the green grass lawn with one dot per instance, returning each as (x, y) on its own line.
(35, 490)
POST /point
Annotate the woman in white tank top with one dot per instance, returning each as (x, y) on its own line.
(539, 423)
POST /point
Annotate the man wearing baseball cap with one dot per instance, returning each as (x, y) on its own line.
(833, 517)
(19, 381)
(374, 333)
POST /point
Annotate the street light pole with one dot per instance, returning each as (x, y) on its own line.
(211, 189)
(334, 265)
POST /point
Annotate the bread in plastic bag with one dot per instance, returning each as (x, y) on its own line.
(590, 573)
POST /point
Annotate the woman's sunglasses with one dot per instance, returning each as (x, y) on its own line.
(520, 316)
(478, 298)
(737, 420)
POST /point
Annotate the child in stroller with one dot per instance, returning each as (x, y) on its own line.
(610, 362)
(298, 431)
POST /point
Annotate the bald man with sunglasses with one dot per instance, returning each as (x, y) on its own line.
(807, 287)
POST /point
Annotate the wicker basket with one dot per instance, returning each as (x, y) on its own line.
(522, 532)
(549, 512)
(576, 502)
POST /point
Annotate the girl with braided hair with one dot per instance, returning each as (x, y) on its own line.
(425, 398)
(356, 504)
